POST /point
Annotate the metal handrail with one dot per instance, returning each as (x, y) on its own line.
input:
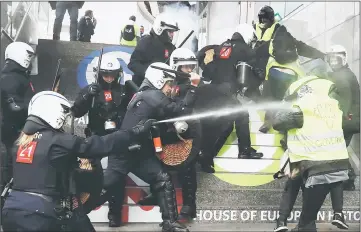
(4, 33)
(7, 35)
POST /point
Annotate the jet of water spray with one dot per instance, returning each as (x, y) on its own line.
(226, 111)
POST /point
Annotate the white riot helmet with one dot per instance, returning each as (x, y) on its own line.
(247, 31)
(51, 107)
(183, 56)
(110, 66)
(20, 52)
(158, 78)
(165, 23)
(336, 57)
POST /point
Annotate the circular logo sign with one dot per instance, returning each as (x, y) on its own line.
(85, 72)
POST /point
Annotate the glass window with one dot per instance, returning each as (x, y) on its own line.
(291, 6)
(279, 7)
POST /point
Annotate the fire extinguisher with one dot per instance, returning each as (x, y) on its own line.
(157, 142)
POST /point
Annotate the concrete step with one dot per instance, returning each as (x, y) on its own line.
(231, 151)
(259, 197)
(259, 227)
(232, 181)
(235, 197)
(214, 215)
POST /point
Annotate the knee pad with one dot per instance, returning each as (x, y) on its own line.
(162, 179)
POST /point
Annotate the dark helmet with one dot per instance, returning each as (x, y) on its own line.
(266, 12)
(133, 18)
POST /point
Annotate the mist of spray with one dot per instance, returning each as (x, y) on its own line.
(187, 21)
(227, 111)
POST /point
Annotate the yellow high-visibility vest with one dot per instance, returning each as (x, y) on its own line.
(132, 43)
(321, 136)
(294, 66)
(267, 35)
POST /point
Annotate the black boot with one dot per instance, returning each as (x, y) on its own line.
(206, 162)
(249, 153)
(115, 209)
(168, 205)
(188, 179)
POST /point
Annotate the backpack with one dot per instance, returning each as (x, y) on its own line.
(129, 33)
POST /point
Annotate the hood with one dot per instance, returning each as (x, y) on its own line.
(146, 85)
(11, 66)
(34, 124)
(237, 37)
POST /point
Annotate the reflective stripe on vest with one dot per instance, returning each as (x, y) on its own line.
(267, 35)
(321, 136)
(294, 66)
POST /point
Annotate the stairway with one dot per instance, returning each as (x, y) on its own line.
(241, 191)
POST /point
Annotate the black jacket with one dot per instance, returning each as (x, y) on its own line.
(349, 90)
(151, 103)
(226, 64)
(103, 110)
(56, 154)
(16, 92)
(303, 49)
(85, 29)
(149, 49)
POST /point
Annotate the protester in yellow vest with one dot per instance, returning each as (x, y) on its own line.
(315, 142)
(266, 30)
(130, 33)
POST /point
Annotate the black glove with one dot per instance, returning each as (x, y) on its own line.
(93, 90)
(143, 126)
(259, 73)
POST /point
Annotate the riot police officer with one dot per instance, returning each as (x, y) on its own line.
(184, 60)
(44, 156)
(155, 47)
(16, 92)
(229, 54)
(106, 116)
(152, 101)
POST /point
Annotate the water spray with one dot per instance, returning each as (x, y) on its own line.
(229, 111)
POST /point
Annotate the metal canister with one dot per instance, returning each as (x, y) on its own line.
(245, 74)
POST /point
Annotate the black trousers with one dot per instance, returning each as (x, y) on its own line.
(290, 193)
(148, 168)
(21, 220)
(313, 199)
(188, 179)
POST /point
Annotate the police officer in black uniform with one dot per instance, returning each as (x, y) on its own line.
(106, 116)
(155, 47)
(184, 60)
(44, 155)
(152, 101)
(229, 53)
(16, 92)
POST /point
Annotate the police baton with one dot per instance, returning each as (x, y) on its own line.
(183, 42)
(172, 71)
(97, 73)
(56, 82)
